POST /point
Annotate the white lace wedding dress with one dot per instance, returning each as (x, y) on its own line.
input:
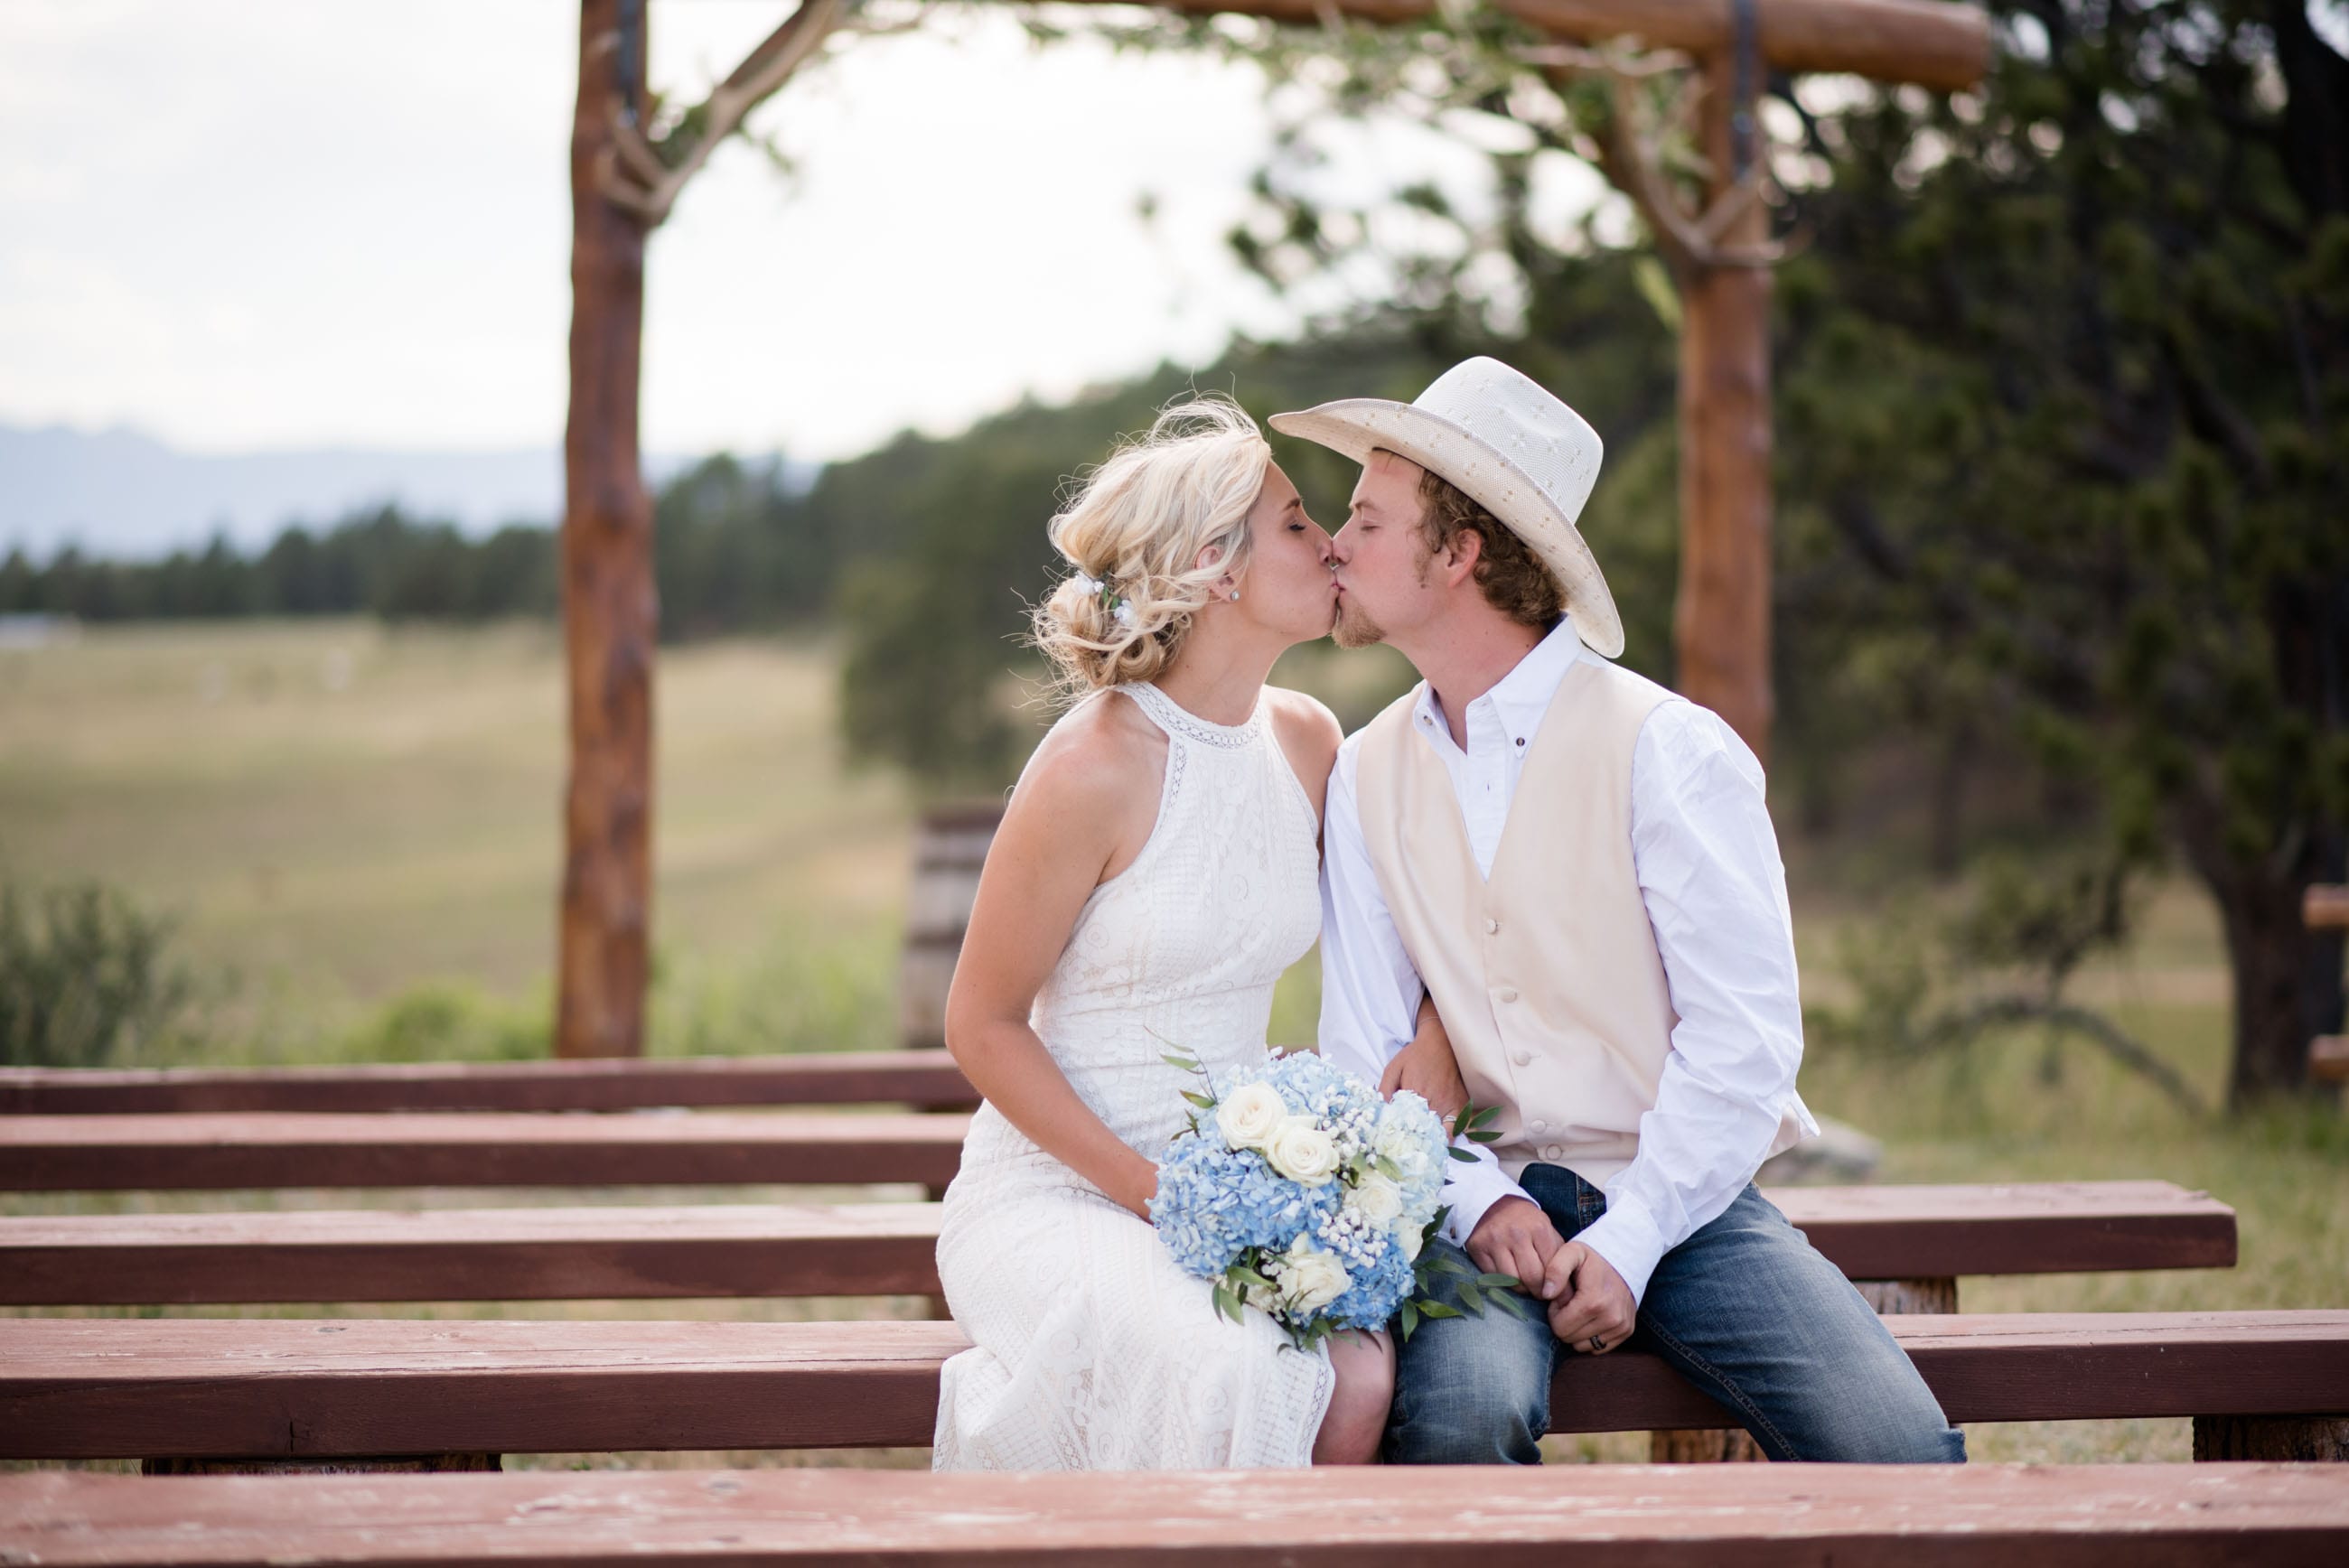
(1091, 1350)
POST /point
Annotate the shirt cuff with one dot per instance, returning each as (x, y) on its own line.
(1626, 1239)
(1470, 1190)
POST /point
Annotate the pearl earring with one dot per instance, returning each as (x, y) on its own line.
(1236, 595)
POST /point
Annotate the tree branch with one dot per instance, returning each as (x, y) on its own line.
(638, 179)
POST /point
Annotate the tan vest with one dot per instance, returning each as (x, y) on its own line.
(1547, 977)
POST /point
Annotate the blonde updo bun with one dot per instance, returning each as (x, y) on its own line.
(1136, 526)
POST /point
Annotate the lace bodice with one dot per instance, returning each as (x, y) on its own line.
(1179, 953)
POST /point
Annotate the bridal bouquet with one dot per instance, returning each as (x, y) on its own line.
(1301, 1192)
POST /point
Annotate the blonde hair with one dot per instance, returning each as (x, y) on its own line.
(1133, 531)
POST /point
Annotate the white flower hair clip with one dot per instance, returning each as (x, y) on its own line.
(1123, 614)
(1090, 585)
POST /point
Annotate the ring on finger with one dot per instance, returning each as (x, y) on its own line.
(1597, 1344)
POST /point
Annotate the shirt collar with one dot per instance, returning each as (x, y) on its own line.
(1519, 698)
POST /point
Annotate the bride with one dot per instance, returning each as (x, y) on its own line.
(1156, 870)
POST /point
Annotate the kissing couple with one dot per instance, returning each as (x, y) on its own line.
(1541, 884)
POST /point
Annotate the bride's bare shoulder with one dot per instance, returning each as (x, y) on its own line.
(1102, 761)
(1308, 731)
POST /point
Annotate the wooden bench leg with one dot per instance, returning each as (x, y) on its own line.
(391, 1464)
(1733, 1445)
(2279, 1440)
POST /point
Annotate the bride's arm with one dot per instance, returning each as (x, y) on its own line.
(1086, 802)
(1427, 1066)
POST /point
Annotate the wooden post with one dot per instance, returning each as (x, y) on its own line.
(2272, 1439)
(609, 605)
(1722, 621)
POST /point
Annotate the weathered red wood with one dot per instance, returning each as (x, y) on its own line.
(1595, 1516)
(470, 1254)
(1946, 47)
(741, 1250)
(927, 1079)
(486, 1149)
(610, 606)
(99, 1388)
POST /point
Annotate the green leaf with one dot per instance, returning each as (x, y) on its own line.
(1409, 1320)
(1472, 1298)
(1461, 1154)
(1500, 1281)
(1482, 1117)
(1205, 1102)
(1437, 1309)
(1510, 1303)
(1460, 1122)
(1185, 1062)
(1481, 1135)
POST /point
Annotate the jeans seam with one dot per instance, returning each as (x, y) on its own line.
(1737, 1395)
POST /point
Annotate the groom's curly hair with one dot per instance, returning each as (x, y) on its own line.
(1513, 577)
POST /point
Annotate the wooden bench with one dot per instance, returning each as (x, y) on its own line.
(1595, 1516)
(926, 1080)
(208, 1152)
(879, 1249)
(87, 1389)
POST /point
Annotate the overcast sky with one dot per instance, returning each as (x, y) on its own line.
(243, 224)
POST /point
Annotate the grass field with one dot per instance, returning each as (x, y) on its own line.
(357, 828)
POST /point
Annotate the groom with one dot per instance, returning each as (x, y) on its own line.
(1576, 865)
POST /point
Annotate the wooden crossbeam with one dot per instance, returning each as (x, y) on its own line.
(1946, 47)
(118, 1388)
(884, 1249)
(925, 1079)
(486, 1148)
(1595, 1516)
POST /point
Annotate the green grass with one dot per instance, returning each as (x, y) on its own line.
(361, 827)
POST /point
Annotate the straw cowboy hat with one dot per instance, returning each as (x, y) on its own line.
(1514, 449)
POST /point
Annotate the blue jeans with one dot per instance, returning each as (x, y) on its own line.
(1745, 1309)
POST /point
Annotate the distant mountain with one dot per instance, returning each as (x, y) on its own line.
(126, 496)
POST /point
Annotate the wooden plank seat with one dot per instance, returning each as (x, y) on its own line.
(1595, 1516)
(84, 1389)
(1587, 1516)
(199, 1151)
(876, 1249)
(926, 1079)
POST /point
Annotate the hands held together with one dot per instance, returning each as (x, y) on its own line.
(1590, 1306)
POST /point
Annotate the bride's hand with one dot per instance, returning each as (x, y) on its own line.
(1427, 1067)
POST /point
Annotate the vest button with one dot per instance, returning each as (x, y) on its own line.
(1523, 1059)
(1537, 1127)
(1553, 1153)
(1506, 995)
(1491, 928)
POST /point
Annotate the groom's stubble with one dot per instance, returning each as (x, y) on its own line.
(1355, 629)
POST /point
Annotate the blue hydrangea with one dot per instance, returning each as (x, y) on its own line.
(1225, 1213)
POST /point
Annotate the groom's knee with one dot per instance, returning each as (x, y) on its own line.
(1472, 1390)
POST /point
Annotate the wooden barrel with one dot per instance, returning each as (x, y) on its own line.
(947, 854)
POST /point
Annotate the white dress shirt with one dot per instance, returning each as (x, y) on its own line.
(1707, 862)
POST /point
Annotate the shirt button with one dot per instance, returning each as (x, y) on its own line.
(1491, 928)
(1508, 995)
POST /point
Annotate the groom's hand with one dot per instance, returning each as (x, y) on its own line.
(1588, 1300)
(1514, 1237)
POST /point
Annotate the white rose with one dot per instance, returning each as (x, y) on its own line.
(1408, 1239)
(1378, 1201)
(1310, 1278)
(1302, 1151)
(1249, 1115)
